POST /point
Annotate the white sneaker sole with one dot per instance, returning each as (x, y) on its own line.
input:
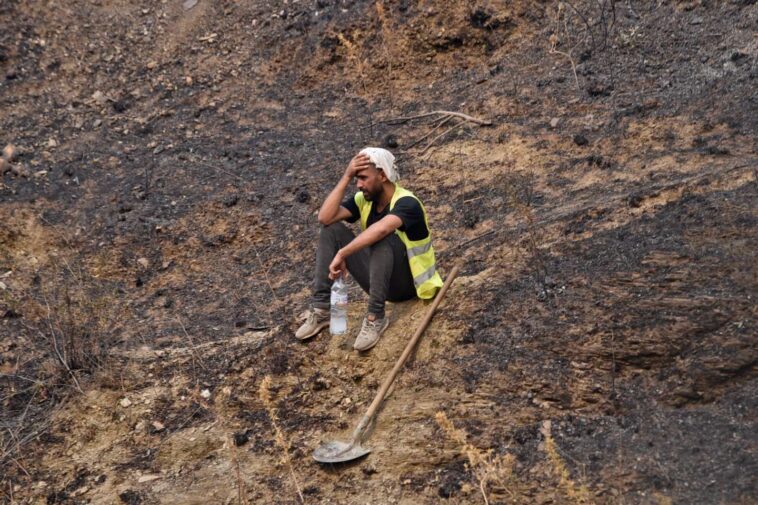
(372, 344)
(315, 332)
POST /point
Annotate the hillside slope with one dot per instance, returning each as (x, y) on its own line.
(158, 229)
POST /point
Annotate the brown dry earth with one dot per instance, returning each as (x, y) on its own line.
(157, 233)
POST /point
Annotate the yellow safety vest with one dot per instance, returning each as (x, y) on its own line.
(420, 252)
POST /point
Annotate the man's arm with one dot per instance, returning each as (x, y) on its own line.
(331, 211)
(370, 235)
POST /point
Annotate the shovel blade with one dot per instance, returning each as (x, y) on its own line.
(339, 452)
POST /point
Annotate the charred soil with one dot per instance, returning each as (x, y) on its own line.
(158, 226)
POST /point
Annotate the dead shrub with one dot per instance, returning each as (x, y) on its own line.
(577, 493)
(264, 393)
(66, 326)
(78, 320)
(488, 468)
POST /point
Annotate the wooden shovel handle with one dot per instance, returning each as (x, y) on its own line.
(403, 357)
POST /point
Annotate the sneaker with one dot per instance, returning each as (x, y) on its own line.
(370, 333)
(317, 320)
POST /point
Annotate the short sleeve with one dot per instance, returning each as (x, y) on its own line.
(349, 204)
(409, 210)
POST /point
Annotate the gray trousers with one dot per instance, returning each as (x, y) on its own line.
(382, 269)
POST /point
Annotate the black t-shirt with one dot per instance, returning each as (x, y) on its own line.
(406, 208)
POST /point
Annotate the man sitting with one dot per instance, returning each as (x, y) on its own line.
(392, 258)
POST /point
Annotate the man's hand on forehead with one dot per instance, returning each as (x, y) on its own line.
(359, 163)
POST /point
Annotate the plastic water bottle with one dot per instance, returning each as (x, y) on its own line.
(338, 319)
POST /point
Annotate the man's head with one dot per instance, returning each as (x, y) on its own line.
(370, 181)
(382, 171)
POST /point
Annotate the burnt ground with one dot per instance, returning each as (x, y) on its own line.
(158, 226)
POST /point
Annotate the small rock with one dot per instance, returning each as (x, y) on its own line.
(369, 470)
(140, 426)
(599, 88)
(97, 123)
(737, 55)
(231, 200)
(158, 426)
(144, 262)
(241, 438)
(152, 64)
(310, 490)
(3, 287)
(40, 174)
(99, 97)
(188, 4)
(470, 219)
(4, 166)
(302, 196)
(130, 497)
(554, 122)
(20, 170)
(716, 150)
(205, 394)
(148, 478)
(580, 140)
(120, 105)
(9, 152)
(390, 141)
(125, 402)
(52, 143)
(321, 384)
(635, 201)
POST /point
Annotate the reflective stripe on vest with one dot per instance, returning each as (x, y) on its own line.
(420, 252)
(425, 276)
(415, 251)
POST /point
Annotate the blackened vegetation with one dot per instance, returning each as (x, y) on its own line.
(451, 477)
(130, 497)
(656, 315)
(637, 340)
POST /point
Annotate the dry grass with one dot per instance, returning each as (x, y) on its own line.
(265, 396)
(487, 468)
(519, 192)
(353, 48)
(387, 40)
(69, 323)
(577, 493)
(79, 321)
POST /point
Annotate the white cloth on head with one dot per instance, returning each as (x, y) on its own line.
(383, 159)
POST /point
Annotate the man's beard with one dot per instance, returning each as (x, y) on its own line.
(370, 196)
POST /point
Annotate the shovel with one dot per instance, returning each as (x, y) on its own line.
(337, 451)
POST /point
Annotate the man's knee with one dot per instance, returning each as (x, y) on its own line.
(337, 229)
(382, 246)
(383, 251)
(338, 226)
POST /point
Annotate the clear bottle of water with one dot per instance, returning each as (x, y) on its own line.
(338, 320)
